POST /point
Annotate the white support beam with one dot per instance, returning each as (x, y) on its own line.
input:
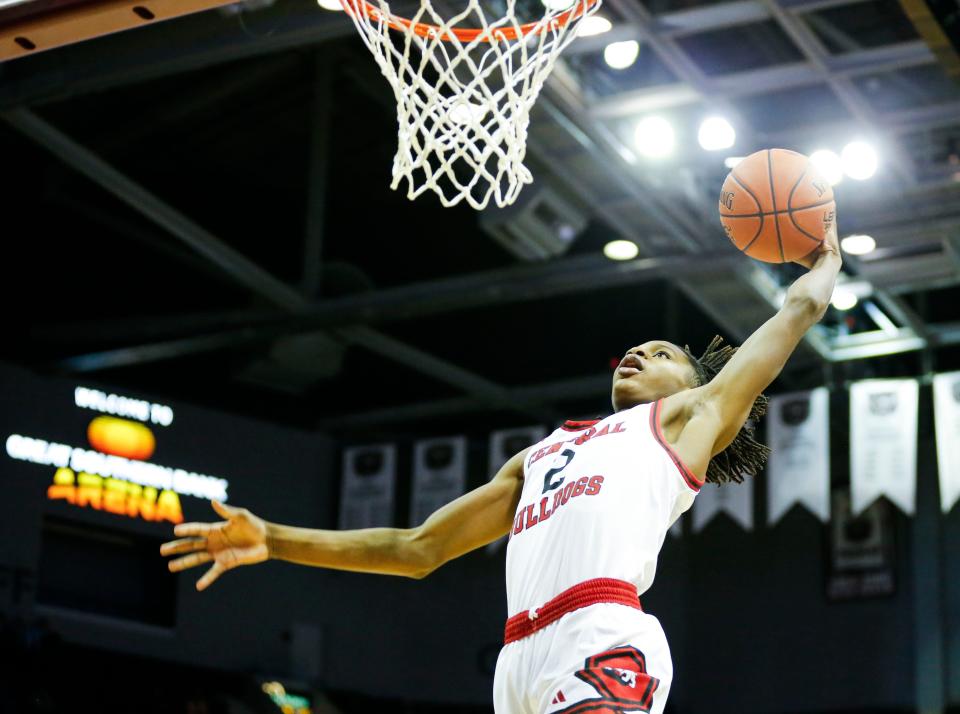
(876, 343)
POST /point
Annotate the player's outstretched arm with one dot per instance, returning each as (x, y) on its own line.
(725, 402)
(469, 522)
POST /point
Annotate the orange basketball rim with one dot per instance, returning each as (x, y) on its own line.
(468, 34)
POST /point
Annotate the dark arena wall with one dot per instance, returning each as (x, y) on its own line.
(747, 615)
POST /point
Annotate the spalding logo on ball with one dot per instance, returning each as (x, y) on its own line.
(776, 207)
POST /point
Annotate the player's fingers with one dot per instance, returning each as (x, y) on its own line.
(223, 510)
(194, 529)
(189, 561)
(208, 577)
(184, 545)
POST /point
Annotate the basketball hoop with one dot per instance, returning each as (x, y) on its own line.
(464, 98)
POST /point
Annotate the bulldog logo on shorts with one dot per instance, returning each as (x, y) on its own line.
(620, 678)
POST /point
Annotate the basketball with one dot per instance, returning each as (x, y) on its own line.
(775, 206)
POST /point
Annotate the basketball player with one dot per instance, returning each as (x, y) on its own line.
(587, 510)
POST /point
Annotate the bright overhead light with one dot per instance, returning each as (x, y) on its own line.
(716, 133)
(621, 55)
(333, 5)
(858, 244)
(557, 5)
(859, 160)
(843, 299)
(621, 250)
(731, 161)
(654, 137)
(594, 25)
(828, 164)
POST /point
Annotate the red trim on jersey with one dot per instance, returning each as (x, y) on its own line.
(688, 476)
(589, 592)
(571, 425)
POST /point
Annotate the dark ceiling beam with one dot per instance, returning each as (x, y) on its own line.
(142, 201)
(242, 269)
(171, 48)
(141, 328)
(567, 390)
(497, 287)
(584, 388)
(319, 169)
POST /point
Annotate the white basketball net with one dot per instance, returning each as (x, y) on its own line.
(463, 103)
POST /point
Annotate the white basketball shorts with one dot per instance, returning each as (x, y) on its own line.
(602, 659)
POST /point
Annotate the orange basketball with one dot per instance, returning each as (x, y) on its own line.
(775, 206)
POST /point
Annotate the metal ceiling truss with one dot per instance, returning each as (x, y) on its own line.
(696, 20)
(211, 39)
(767, 79)
(248, 273)
(820, 67)
(729, 297)
(597, 386)
(521, 283)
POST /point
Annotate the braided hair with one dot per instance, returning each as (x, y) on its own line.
(745, 455)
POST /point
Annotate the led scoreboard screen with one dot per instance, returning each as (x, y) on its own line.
(95, 477)
(110, 467)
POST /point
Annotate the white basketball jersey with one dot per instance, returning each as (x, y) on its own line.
(598, 498)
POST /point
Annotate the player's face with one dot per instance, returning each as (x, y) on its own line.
(649, 372)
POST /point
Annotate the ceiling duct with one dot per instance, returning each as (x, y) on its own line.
(295, 363)
(541, 225)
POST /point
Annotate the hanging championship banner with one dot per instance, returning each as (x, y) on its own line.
(734, 499)
(946, 408)
(439, 475)
(504, 444)
(366, 493)
(798, 432)
(861, 551)
(883, 442)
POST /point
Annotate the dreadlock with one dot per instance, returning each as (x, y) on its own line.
(745, 455)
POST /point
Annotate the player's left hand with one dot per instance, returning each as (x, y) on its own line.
(830, 244)
(240, 539)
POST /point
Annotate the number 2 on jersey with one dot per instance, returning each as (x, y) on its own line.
(547, 484)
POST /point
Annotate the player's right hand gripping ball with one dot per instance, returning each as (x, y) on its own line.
(776, 207)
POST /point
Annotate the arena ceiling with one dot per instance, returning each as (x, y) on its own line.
(200, 208)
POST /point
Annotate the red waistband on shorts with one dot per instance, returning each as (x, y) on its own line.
(589, 592)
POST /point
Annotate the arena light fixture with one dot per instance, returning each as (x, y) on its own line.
(859, 160)
(731, 161)
(594, 25)
(557, 5)
(843, 298)
(716, 133)
(621, 250)
(654, 137)
(828, 163)
(332, 5)
(858, 244)
(620, 55)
